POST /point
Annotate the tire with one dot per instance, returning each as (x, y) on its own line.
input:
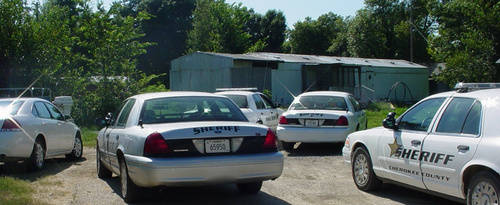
(287, 146)
(249, 188)
(484, 187)
(130, 191)
(102, 171)
(362, 171)
(77, 151)
(37, 159)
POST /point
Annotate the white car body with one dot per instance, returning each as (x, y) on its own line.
(324, 128)
(22, 125)
(188, 163)
(257, 108)
(436, 160)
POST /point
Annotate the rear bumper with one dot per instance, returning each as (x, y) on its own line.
(312, 135)
(346, 154)
(150, 172)
(15, 146)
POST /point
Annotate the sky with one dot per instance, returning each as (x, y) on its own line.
(298, 10)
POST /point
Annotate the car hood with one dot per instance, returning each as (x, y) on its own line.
(210, 129)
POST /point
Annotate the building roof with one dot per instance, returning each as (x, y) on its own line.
(318, 60)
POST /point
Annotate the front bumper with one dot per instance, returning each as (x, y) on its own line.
(15, 146)
(346, 154)
(312, 135)
(150, 172)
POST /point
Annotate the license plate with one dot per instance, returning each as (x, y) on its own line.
(217, 146)
(312, 123)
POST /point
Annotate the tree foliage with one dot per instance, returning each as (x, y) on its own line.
(468, 40)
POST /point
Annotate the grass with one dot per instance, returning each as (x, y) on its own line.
(89, 136)
(376, 112)
(14, 191)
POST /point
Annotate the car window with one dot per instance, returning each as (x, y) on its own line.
(267, 102)
(54, 112)
(318, 102)
(258, 102)
(453, 117)
(189, 109)
(42, 111)
(354, 103)
(124, 113)
(473, 120)
(240, 100)
(420, 117)
(9, 107)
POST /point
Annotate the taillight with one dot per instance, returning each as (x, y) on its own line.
(283, 120)
(342, 121)
(270, 141)
(10, 125)
(155, 144)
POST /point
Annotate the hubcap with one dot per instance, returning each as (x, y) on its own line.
(78, 147)
(484, 193)
(123, 178)
(361, 170)
(39, 155)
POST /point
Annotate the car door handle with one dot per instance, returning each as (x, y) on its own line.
(117, 137)
(416, 143)
(107, 136)
(463, 148)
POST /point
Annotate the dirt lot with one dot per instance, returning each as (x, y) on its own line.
(314, 174)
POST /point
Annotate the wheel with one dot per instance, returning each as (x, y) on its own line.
(102, 171)
(287, 146)
(130, 191)
(483, 189)
(77, 151)
(362, 171)
(249, 188)
(37, 158)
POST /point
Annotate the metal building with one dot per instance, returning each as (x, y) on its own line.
(367, 79)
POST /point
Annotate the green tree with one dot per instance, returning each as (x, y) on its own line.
(468, 40)
(273, 28)
(316, 36)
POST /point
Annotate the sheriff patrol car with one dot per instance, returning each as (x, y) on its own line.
(185, 139)
(446, 144)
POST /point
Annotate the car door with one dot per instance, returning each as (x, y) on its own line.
(451, 145)
(273, 113)
(118, 130)
(48, 127)
(262, 111)
(358, 113)
(400, 148)
(65, 130)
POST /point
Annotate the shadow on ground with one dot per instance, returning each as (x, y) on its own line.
(216, 194)
(409, 196)
(319, 149)
(52, 167)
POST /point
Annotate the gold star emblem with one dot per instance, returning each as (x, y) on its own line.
(394, 147)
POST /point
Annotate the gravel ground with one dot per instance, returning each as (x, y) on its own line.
(313, 174)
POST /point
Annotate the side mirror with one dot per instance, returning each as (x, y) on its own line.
(104, 122)
(390, 121)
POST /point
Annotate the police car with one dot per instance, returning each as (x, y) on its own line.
(185, 139)
(446, 144)
(256, 106)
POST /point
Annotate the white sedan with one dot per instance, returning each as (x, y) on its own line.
(33, 129)
(447, 144)
(185, 139)
(320, 116)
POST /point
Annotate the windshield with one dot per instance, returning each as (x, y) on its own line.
(240, 100)
(319, 103)
(7, 107)
(187, 109)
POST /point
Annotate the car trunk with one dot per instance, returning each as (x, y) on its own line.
(314, 118)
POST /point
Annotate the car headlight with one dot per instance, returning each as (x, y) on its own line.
(347, 143)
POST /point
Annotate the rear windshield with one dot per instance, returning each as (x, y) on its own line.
(188, 109)
(240, 100)
(7, 107)
(319, 103)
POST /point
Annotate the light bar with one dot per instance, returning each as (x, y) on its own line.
(465, 87)
(235, 89)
